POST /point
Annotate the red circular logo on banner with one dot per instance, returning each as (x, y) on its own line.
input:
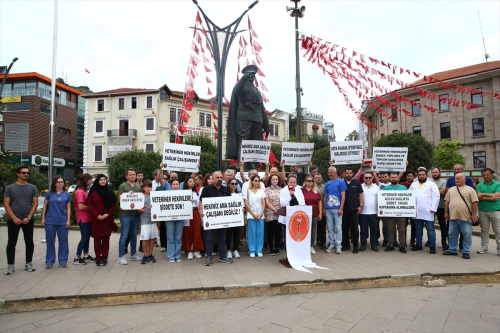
(299, 226)
(132, 205)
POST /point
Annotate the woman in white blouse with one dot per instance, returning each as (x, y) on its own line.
(255, 203)
(291, 195)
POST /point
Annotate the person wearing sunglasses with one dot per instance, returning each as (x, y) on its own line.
(20, 201)
(55, 218)
(368, 217)
(312, 198)
(234, 232)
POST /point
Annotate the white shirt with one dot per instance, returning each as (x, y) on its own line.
(285, 199)
(244, 188)
(155, 185)
(255, 202)
(369, 199)
(427, 198)
(195, 199)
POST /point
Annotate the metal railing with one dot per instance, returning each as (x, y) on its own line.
(42, 93)
(122, 132)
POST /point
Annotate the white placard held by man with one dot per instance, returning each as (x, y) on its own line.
(296, 153)
(222, 212)
(171, 205)
(132, 201)
(255, 151)
(396, 204)
(389, 159)
(178, 157)
(346, 152)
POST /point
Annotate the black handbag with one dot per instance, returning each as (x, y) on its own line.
(475, 224)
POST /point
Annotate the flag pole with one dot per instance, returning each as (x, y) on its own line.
(53, 99)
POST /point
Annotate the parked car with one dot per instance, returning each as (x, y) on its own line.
(41, 200)
(72, 188)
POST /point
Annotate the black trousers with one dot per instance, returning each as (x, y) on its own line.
(163, 234)
(413, 234)
(234, 235)
(274, 229)
(13, 234)
(443, 225)
(350, 223)
(321, 231)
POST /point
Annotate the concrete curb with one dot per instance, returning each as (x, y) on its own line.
(233, 291)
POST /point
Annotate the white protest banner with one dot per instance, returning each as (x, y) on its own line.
(255, 151)
(396, 204)
(389, 159)
(181, 157)
(131, 201)
(346, 152)
(296, 153)
(171, 205)
(298, 237)
(222, 212)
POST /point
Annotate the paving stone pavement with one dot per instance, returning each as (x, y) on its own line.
(134, 277)
(454, 308)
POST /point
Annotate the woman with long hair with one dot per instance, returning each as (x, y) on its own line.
(83, 219)
(207, 180)
(273, 191)
(192, 242)
(55, 218)
(174, 232)
(233, 232)
(312, 198)
(255, 202)
(101, 201)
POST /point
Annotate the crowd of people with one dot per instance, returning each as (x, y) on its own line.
(344, 212)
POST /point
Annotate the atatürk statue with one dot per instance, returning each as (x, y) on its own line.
(247, 115)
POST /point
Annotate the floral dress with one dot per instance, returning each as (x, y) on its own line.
(273, 195)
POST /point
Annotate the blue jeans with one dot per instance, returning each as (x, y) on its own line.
(83, 245)
(457, 227)
(431, 233)
(365, 221)
(174, 238)
(334, 220)
(129, 225)
(61, 232)
(255, 235)
(221, 233)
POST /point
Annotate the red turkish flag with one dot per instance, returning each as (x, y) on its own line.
(190, 94)
(177, 139)
(205, 59)
(264, 98)
(185, 116)
(181, 128)
(258, 58)
(256, 46)
(214, 116)
(198, 18)
(256, 83)
(87, 71)
(203, 31)
(187, 104)
(263, 86)
(215, 127)
(208, 80)
(260, 73)
(233, 162)
(209, 93)
(212, 106)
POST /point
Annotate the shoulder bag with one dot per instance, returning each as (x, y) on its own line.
(475, 224)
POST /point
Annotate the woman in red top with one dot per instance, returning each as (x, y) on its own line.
(101, 201)
(313, 198)
(83, 220)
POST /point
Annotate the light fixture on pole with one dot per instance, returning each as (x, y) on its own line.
(297, 13)
(22, 138)
(4, 70)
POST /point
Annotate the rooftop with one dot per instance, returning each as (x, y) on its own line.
(34, 76)
(463, 71)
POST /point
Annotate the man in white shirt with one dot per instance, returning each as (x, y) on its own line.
(368, 217)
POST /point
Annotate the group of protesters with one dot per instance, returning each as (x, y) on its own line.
(344, 212)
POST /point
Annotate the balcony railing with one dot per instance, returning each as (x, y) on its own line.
(42, 93)
(123, 132)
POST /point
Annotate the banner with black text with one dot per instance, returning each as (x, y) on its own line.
(222, 212)
(255, 151)
(389, 159)
(179, 157)
(346, 152)
(396, 204)
(296, 153)
(171, 205)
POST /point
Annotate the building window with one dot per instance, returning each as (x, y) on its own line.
(67, 149)
(382, 135)
(394, 131)
(100, 105)
(23, 106)
(178, 115)
(62, 130)
(276, 132)
(394, 113)
(226, 123)
(99, 126)
(477, 126)
(133, 103)
(1, 128)
(444, 106)
(150, 146)
(415, 109)
(381, 119)
(97, 153)
(172, 115)
(150, 124)
(476, 98)
(417, 130)
(149, 102)
(208, 122)
(68, 131)
(61, 148)
(121, 103)
(479, 159)
(45, 108)
(445, 131)
(202, 119)
(271, 129)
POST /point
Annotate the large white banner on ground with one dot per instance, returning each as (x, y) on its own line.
(178, 157)
(171, 205)
(396, 204)
(222, 212)
(296, 153)
(346, 152)
(298, 237)
(132, 201)
(255, 151)
(389, 159)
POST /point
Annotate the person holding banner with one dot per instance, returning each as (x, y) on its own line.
(233, 232)
(393, 221)
(274, 228)
(291, 195)
(149, 230)
(190, 240)
(334, 205)
(255, 201)
(275, 171)
(312, 198)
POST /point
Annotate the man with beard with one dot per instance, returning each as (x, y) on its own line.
(427, 200)
(352, 208)
(393, 221)
(213, 191)
(441, 184)
(368, 216)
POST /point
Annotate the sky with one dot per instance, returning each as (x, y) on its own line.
(146, 44)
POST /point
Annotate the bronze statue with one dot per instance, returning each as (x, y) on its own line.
(247, 115)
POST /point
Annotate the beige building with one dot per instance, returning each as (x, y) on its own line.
(312, 123)
(478, 129)
(126, 118)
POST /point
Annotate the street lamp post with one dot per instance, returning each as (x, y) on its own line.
(297, 13)
(22, 138)
(220, 49)
(5, 71)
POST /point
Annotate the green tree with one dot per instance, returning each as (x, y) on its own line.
(420, 150)
(321, 158)
(8, 176)
(320, 141)
(208, 156)
(447, 154)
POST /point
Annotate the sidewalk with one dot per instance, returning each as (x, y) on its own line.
(163, 276)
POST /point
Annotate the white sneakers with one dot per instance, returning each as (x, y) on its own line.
(313, 251)
(237, 255)
(252, 255)
(197, 255)
(260, 255)
(122, 261)
(339, 251)
(330, 249)
(163, 249)
(229, 255)
(135, 257)
(482, 250)
(190, 255)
